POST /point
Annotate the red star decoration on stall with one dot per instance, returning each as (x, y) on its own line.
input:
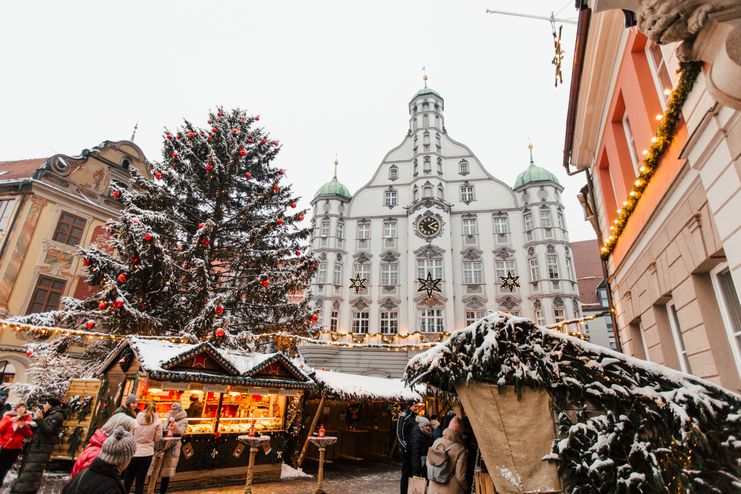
(199, 361)
(274, 370)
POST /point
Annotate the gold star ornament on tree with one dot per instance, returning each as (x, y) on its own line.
(357, 283)
(510, 282)
(429, 285)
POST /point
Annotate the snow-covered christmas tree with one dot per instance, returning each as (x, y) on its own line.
(212, 245)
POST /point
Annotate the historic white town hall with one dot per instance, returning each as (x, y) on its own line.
(433, 218)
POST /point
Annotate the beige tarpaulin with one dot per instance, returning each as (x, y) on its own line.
(513, 436)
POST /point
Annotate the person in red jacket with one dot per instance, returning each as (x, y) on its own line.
(15, 426)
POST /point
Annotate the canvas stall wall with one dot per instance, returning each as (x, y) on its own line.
(513, 435)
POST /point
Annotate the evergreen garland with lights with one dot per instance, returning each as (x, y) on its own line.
(644, 428)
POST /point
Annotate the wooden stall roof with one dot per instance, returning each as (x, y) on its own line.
(206, 363)
(339, 385)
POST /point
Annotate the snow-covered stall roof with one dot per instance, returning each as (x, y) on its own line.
(655, 429)
(353, 386)
(160, 359)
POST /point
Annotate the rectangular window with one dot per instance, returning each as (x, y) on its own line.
(473, 273)
(430, 321)
(501, 225)
(466, 193)
(322, 273)
(389, 274)
(559, 314)
(325, 228)
(470, 227)
(432, 266)
(552, 263)
(473, 316)
(337, 274)
(534, 269)
(360, 322)
(362, 269)
(659, 71)
(561, 221)
(602, 294)
(389, 322)
(539, 317)
(631, 143)
(6, 206)
(684, 362)
(390, 198)
(546, 221)
(364, 230)
(47, 295)
(69, 229)
(334, 320)
(730, 309)
(504, 267)
(569, 269)
(528, 221)
(389, 229)
(340, 230)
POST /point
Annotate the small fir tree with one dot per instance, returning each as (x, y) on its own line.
(213, 243)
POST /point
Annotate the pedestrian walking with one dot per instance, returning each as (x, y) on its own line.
(421, 440)
(130, 406)
(49, 424)
(147, 431)
(447, 459)
(103, 476)
(404, 426)
(15, 427)
(176, 423)
(94, 446)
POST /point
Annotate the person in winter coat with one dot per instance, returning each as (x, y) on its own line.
(404, 426)
(49, 424)
(452, 442)
(195, 409)
(437, 432)
(147, 431)
(420, 442)
(14, 428)
(103, 476)
(130, 406)
(93, 447)
(175, 424)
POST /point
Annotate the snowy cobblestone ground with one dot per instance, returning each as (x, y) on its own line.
(373, 478)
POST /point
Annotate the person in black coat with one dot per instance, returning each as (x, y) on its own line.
(103, 476)
(404, 426)
(420, 442)
(49, 424)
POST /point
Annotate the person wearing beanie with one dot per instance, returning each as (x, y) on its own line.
(14, 428)
(103, 476)
(421, 440)
(176, 423)
(49, 424)
(130, 406)
(95, 444)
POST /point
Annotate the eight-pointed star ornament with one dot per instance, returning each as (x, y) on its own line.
(429, 285)
(357, 283)
(510, 282)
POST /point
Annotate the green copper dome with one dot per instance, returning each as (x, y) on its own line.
(426, 90)
(534, 174)
(333, 188)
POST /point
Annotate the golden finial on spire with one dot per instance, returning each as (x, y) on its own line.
(336, 162)
(424, 75)
(530, 147)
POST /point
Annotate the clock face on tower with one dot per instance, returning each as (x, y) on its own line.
(428, 226)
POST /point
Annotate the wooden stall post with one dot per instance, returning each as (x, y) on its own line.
(250, 470)
(311, 431)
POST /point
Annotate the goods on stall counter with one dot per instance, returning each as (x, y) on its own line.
(321, 431)
(252, 432)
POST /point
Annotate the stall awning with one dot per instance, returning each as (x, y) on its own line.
(353, 386)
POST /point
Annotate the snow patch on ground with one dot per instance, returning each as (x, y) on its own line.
(287, 472)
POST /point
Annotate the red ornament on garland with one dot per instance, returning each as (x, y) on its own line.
(191, 134)
(135, 260)
(293, 205)
(235, 131)
(201, 225)
(265, 283)
(220, 114)
(102, 305)
(279, 221)
(142, 306)
(219, 332)
(205, 241)
(312, 267)
(147, 237)
(29, 353)
(168, 136)
(298, 252)
(116, 194)
(264, 141)
(250, 141)
(281, 172)
(86, 262)
(219, 310)
(122, 277)
(314, 318)
(158, 175)
(248, 175)
(242, 152)
(90, 324)
(209, 138)
(209, 167)
(276, 188)
(118, 303)
(214, 130)
(179, 136)
(174, 154)
(301, 217)
(257, 117)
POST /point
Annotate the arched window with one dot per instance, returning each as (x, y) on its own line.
(393, 172)
(428, 165)
(463, 167)
(7, 372)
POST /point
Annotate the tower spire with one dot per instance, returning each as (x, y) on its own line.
(530, 147)
(133, 134)
(336, 162)
(424, 75)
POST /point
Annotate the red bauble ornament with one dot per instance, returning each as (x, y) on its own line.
(142, 307)
(102, 305)
(235, 131)
(168, 136)
(257, 117)
(248, 175)
(312, 267)
(116, 194)
(314, 318)
(158, 175)
(301, 217)
(250, 141)
(122, 277)
(209, 138)
(174, 154)
(214, 129)
(279, 221)
(209, 167)
(191, 134)
(276, 188)
(201, 225)
(219, 310)
(242, 152)
(293, 205)
(90, 324)
(298, 252)
(118, 303)
(276, 143)
(220, 114)
(86, 262)
(179, 136)
(219, 332)
(281, 172)
(147, 237)
(135, 260)
(29, 353)
(205, 241)
(265, 283)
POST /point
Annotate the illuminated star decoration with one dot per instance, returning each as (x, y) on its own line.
(274, 370)
(199, 361)
(429, 285)
(510, 282)
(357, 283)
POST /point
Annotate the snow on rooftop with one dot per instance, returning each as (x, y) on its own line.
(365, 387)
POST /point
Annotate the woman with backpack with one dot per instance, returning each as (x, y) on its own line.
(446, 462)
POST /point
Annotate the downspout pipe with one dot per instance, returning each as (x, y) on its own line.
(23, 188)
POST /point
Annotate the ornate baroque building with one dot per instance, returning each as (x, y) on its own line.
(431, 209)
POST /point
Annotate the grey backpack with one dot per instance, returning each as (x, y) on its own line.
(439, 465)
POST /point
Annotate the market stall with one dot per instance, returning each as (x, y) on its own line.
(225, 394)
(361, 411)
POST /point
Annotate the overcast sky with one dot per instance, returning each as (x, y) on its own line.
(326, 76)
